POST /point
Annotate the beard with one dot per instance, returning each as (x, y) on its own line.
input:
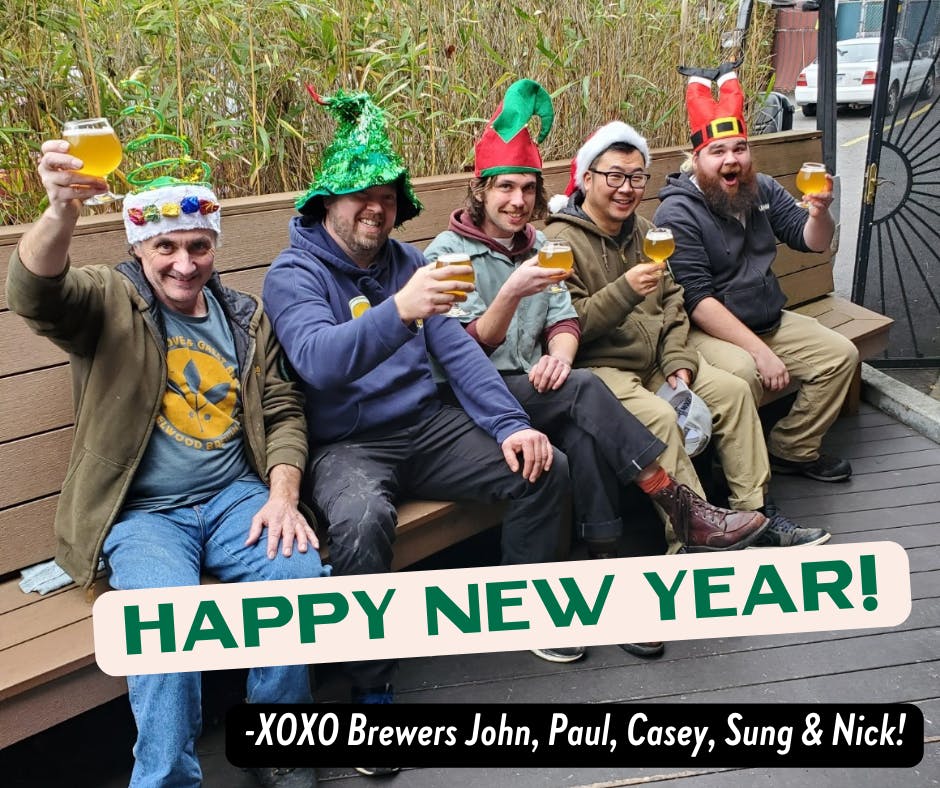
(730, 204)
(356, 241)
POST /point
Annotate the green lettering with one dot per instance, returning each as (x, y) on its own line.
(813, 586)
(495, 602)
(436, 600)
(777, 595)
(164, 623)
(208, 611)
(704, 588)
(375, 615)
(667, 596)
(577, 605)
(254, 623)
(307, 620)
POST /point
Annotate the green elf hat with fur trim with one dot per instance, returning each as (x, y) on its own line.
(506, 145)
(359, 157)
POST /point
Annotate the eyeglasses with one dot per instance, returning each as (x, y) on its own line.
(615, 180)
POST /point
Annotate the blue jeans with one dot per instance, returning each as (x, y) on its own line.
(172, 548)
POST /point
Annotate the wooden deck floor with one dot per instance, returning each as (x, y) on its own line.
(893, 495)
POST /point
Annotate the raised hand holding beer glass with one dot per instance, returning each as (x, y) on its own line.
(811, 179)
(94, 142)
(457, 258)
(556, 254)
(658, 245)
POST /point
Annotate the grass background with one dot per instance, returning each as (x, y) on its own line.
(230, 76)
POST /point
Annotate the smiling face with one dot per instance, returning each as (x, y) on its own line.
(609, 208)
(508, 204)
(725, 174)
(177, 265)
(362, 221)
(724, 161)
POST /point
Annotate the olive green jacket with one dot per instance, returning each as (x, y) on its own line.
(108, 320)
(619, 327)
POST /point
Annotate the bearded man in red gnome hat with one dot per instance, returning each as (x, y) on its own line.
(726, 219)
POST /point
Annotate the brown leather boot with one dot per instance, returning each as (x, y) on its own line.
(704, 527)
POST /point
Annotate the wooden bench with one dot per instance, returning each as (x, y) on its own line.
(47, 668)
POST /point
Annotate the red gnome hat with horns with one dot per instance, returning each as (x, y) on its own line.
(710, 120)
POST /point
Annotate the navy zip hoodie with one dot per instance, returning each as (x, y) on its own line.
(718, 256)
(364, 371)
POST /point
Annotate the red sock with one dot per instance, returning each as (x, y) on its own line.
(658, 481)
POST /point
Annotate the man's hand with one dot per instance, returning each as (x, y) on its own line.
(685, 374)
(817, 203)
(549, 373)
(285, 523)
(644, 278)
(64, 185)
(773, 372)
(281, 516)
(425, 294)
(536, 453)
(530, 278)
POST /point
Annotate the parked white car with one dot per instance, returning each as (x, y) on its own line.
(857, 70)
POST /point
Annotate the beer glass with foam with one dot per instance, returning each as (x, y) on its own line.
(658, 245)
(811, 179)
(556, 254)
(94, 142)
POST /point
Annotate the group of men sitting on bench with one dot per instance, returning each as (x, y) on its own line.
(208, 427)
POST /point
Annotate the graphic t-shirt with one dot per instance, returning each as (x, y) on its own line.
(196, 447)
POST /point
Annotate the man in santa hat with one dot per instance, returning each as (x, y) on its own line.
(634, 329)
(726, 219)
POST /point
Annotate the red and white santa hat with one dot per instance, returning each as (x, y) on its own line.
(594, 146)
(710, 120)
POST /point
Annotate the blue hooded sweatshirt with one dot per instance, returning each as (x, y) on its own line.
(364, 371)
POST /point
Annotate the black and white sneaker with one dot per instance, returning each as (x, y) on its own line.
(565, 654)
(376, 771)
(783, 532)
(380, 695)
(825, 468)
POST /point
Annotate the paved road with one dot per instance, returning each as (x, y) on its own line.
(852, 127)
(903, 279)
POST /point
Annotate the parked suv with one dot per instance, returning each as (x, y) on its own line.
(857, 70)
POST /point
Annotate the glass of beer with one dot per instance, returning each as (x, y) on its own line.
(95, 143)
(556, 254)
(811, 179)
(658, 245)
(457, 258)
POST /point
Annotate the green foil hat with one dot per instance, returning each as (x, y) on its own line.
(360, 156)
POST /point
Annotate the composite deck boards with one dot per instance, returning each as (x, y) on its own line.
(894, 495)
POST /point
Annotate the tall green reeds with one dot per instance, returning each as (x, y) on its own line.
(230, 75)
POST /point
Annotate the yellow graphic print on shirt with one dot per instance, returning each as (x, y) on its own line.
(358, 306)
(201, 395)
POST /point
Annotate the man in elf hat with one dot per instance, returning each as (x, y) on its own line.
(726, 219)
(531, 335)
(189, 442)
(359, 314)
(634, 329)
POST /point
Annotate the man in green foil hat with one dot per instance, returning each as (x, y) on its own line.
(359, 315)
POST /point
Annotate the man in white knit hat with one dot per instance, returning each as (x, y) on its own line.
(634, 329)
(189, 441)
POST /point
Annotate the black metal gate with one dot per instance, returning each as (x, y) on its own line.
(897, 270)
